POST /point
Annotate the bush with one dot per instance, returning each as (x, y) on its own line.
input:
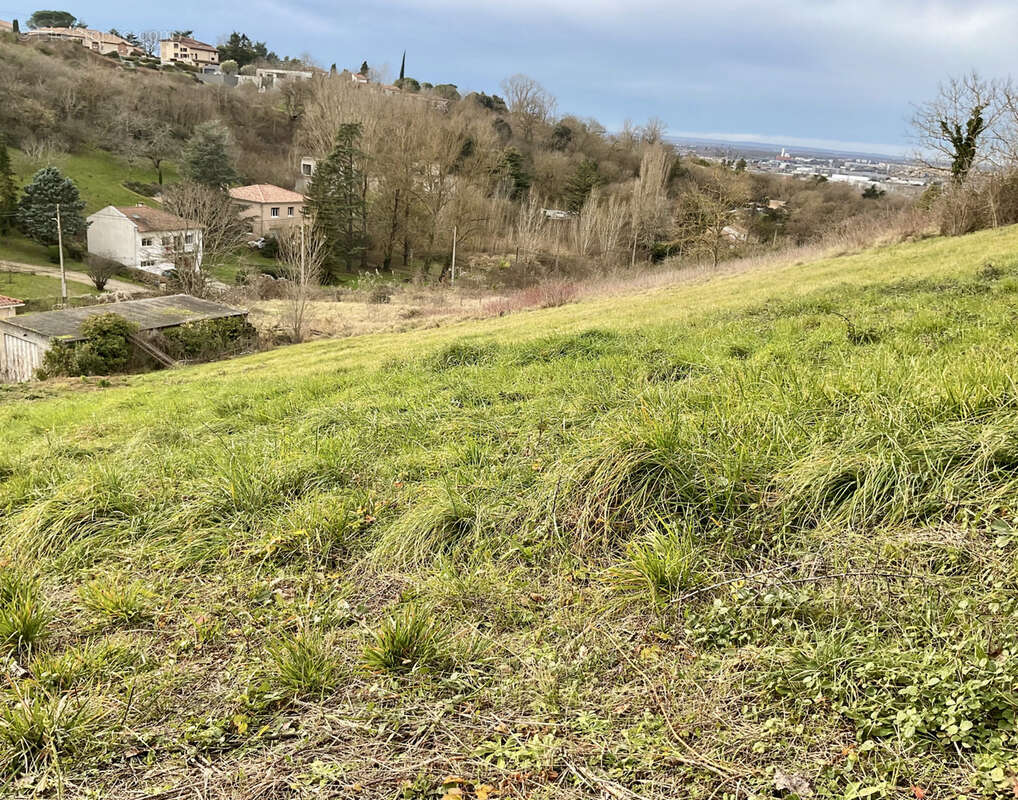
(104, 351)
(100, 270)
(208, 338)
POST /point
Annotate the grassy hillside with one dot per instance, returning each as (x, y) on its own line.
(28, 286)
(754, 537)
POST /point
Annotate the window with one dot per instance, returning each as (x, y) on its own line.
(166, 241)
(307, 168)
(148, 263)
(147, 242)
(289, 211)
(188, 238)
(275, 211)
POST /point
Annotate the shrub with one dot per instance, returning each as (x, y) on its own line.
(106, 349)
(407, 640)
(208, 338)
(100, 270)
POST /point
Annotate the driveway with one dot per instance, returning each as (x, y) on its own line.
(112, 285)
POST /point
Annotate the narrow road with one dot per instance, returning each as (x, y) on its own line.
(112, 285)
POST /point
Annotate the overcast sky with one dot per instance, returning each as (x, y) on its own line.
(836, 72)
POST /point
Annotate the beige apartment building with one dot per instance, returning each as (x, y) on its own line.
(185, 50)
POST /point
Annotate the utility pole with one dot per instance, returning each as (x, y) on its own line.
(60, 249)
(453, 280)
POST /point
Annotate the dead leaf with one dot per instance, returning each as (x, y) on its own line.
(792, 783)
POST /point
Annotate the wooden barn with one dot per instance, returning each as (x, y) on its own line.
(25, 339)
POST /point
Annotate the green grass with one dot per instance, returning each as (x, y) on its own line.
(705, 541)
(29, 286)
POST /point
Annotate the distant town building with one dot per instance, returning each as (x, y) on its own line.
(185, 50)
(104, 44)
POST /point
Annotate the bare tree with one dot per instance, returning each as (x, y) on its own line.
(149, 41)
(609, 222)
(957, 131)
(100, 270)
(529, 225)
(302, 252)
(708, 211)
(214, 233)
(528, 101)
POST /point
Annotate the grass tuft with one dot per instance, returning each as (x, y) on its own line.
(116, 602)
(304, 665)
(408, 640)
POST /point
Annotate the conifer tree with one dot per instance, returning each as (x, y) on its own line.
(37, 210)
(581, 183)
(207, 158)
(336, 201)
(8, 189)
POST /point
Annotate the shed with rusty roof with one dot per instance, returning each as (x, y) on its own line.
(25, 339)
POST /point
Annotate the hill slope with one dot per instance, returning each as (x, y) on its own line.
(754, 536)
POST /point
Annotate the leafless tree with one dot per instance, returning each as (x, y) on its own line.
(708, 210)
(217, 232)
(149, 41)
(529, 225)
(100, 270)
(528, 101)
(609, 222)
(959, 130)
(302, 252)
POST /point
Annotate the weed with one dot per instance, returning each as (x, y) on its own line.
(305, 664)
(407, 640)
(24, 623)
(663, 564)
(37, 727)
(117, 602)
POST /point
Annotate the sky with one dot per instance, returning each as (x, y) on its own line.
(817, 73)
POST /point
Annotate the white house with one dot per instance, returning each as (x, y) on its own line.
(143, 237)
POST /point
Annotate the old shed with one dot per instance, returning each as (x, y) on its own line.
(25, 339)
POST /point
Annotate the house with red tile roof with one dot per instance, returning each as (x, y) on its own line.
(9, 306)
(185, 50)
(268, 208)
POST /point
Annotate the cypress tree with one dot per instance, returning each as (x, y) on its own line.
(336, 201)
(8, 189)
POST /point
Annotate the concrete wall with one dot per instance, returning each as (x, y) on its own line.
(112, 235)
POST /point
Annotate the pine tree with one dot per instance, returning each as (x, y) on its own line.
(364, 69)
(207, 158)
(581, 183)
(335, 199)
(8, 189)
(37, 210)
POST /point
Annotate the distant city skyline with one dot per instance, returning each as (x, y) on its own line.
(837, 75)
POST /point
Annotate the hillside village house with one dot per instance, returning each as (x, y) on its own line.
(142, 237)
(9, 306)
(185, 50)
(104, 44)
(268, 208)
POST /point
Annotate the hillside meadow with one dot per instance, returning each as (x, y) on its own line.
(750, 537)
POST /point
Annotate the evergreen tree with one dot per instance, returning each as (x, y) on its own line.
(207, 158)
(336, 201)
(16, 28)
(513, 173)
(37, 210)
(581, 183)
(364, 69)
(8, 189)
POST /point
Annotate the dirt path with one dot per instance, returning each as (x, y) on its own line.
(112, 285)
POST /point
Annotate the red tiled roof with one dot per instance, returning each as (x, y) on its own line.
(10, 302)
(265, 193)
(194, 44)
(146, 218)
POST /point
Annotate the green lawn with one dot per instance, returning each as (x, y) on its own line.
(28, 286)
(99, 177)
(755, 537)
